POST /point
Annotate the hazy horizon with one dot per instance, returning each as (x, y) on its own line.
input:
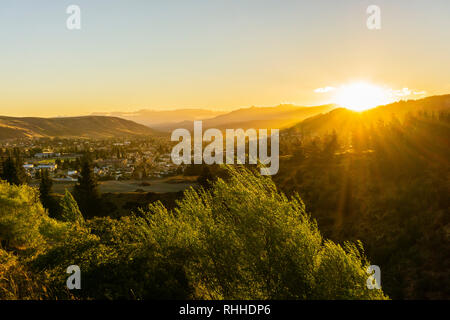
(117, 113)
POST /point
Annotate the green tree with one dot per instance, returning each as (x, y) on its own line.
(245, 240)
(20, 216)
(86, 191)
(45, 189)
(69, 209)
(13, 171)
(240, 239)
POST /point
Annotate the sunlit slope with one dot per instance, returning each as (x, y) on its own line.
(84, 127)
(344, 121)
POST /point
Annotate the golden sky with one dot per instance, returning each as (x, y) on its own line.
(215, 54)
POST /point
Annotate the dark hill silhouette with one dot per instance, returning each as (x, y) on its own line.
(344, 121)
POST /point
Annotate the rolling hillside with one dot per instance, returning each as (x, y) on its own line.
(84, 127)
(343, 121)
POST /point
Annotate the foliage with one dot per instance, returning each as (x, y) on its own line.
(387, 186)
(239, 239)
(45, 190)
(69, 210)
(21, 215)
(245, 240)
(13, 171)
(86, 191)
(17, 282)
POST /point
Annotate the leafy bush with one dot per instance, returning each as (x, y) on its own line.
(21, 215)
(17, 282)
(245, 240)
(240, 239)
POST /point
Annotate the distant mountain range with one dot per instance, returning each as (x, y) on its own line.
(84, 127)
(344, 121)
(310, 120)
(161, 120)
(281, 116)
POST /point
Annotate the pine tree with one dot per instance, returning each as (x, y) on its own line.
(70, 212)
(45, 188)
(86, 191)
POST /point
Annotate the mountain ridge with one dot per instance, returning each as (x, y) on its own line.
(160, 118)
(281, 116)
(80, 127)
(344, 120)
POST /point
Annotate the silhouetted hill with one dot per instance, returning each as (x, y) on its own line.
(344, 121)
(85, 127)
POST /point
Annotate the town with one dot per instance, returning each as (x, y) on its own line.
(117, 159)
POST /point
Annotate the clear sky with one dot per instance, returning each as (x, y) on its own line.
(213, 54)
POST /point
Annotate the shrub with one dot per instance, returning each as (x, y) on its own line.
(245, 240)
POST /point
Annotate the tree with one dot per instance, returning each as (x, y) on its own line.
(13, 171)
(21, 216)
(331, 145)
(70, 212)
(86, 191)
(242, 239)
(45, 188)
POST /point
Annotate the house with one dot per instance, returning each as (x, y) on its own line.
(49, 167)
(29, 169)
(46, 155)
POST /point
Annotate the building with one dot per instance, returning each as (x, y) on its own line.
(49, 167)
(46, 155)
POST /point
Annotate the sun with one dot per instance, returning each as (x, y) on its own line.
(360, 96)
